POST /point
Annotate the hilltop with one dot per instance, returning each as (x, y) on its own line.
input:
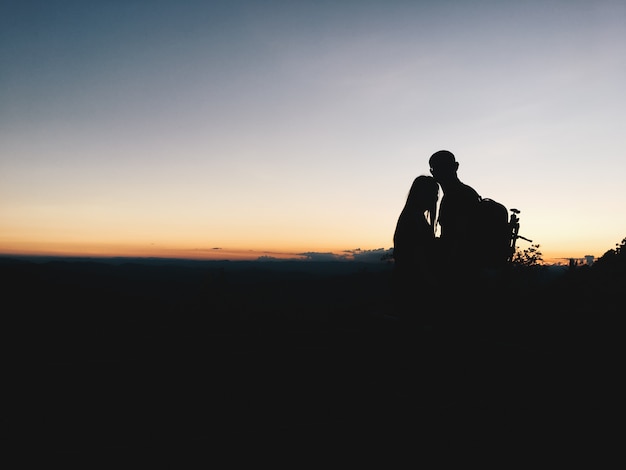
(163, 355)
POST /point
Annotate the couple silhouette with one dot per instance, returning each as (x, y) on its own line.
(424, 262)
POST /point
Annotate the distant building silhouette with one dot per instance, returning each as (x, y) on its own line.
(573, 262)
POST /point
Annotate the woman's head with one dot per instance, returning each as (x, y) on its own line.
(423, 196)
(424, 192)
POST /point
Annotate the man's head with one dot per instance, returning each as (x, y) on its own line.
(443, 165)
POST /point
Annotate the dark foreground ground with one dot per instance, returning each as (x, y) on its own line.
(181, 360)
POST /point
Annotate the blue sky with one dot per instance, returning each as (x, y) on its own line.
(275, 127)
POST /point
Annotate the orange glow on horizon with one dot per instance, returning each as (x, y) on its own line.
(171, 251)
(153, 251)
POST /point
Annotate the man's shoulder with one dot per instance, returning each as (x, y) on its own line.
(465, 191)
(471, 191)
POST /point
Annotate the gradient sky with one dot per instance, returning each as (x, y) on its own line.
(271, 128)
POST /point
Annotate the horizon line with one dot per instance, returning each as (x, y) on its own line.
(304, 258)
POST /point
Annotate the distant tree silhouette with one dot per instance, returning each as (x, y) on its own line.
(617, 252)
(613, 260)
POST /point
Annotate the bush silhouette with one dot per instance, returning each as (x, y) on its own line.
(530, 256)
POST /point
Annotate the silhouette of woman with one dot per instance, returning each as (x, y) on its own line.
(414, 243)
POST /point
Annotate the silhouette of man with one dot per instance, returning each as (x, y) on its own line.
(457, 207)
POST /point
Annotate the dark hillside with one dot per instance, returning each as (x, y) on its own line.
(163, 357)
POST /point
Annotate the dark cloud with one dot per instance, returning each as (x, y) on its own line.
(367, 256)
(317, 256)
(370, 256)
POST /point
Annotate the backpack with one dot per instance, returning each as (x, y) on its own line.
(491, 234)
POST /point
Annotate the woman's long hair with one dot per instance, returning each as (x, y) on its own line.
(421, 190)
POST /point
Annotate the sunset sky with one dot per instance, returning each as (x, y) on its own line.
(228, 129)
